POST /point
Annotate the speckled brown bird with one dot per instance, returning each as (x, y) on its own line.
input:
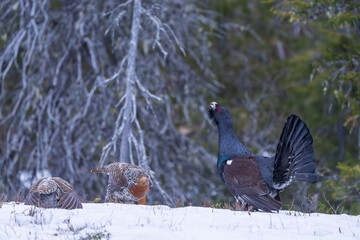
(53, 192)
(127, 183)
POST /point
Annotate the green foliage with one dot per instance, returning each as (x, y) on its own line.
(222, 205)
(339, 63)
(335, 66)
(343, 19)
(339, 70)
(97, 236)
(345, 188)
(334, 13)
(55, 5)
(218, 205)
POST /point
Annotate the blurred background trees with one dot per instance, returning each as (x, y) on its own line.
(336, 64)
(69, 85)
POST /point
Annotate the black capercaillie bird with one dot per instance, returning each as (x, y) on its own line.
(256, 181)
(53, 192)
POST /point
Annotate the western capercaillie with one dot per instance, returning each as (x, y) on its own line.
(53, 192)
(254, 180)
(127, 183)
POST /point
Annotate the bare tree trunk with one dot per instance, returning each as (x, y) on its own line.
(130, 101)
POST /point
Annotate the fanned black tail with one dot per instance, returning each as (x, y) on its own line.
(294, 159)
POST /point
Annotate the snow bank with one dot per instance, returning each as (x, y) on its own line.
(122, 221)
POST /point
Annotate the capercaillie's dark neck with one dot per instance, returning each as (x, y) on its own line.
(229, 145)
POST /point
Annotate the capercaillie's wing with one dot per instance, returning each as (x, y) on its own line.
(117, 177)
(64, 185)
(243, 178)
(69, 200)
(33, 197)
(36, 185)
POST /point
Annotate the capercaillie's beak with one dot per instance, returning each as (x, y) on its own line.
(213, 105)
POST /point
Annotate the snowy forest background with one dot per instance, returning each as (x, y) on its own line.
(87, 83)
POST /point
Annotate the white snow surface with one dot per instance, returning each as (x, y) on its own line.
(124, 221)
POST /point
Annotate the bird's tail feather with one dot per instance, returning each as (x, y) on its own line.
(100, 170)
(294, 159)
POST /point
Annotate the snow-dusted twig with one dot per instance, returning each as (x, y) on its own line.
(165, 29)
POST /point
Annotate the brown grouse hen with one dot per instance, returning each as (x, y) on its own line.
(127, 183)
(53, 192)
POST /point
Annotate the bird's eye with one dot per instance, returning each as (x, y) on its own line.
(219, 109)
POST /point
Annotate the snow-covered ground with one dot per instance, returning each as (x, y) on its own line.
(122, 221)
